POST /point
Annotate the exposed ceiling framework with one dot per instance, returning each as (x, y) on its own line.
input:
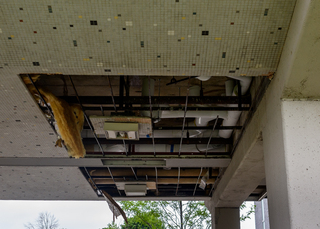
(108, 49)
(159, 180)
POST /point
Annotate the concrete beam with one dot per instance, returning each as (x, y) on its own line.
(246, 169)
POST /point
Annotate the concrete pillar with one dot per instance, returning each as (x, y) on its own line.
(227, 218)
(292, 161)
(223, 218)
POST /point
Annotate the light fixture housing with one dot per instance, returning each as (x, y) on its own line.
(135, 189)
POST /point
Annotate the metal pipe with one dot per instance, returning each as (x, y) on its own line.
(86, 117)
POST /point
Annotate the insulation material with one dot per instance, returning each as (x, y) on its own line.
(69, 119)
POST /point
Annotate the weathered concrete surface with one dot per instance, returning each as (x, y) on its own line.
(291, 145)
(223, 218)
(292, 156)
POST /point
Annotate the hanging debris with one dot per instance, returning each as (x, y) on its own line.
(69, 119)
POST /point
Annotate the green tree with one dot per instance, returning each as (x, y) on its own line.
(111, 226)
(248, 214)
(173, 214)
(144, 221)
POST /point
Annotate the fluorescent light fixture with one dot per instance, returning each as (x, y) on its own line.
(135, 190)
(121, 130)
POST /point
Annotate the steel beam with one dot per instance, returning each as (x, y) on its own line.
(169, 141)
(158, 100)
(170, 108)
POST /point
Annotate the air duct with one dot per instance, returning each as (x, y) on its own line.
(202, 118)
(233, 116)
(230, 118)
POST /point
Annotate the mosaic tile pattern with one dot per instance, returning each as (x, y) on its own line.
(145, 37)
(25, 131)
(44, 183)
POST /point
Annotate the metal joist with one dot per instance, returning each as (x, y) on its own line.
(169, 108)
(170, 141)
(100, 100)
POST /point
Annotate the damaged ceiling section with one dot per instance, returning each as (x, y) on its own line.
(136, 124)
(138, 103)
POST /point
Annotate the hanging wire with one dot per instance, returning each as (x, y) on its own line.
(154, 149)
(125, 148)
(94, 184)
(182, 131)
(156, 180)
(113, 180)
(114, 104)
(184, 117)
(178, 181)
(195, 187)
(41, 97)
(135, 175)
(214, 126)
(86, 117)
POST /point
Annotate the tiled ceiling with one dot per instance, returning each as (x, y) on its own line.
(176, 37)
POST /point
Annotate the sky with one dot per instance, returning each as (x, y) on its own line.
(71, 214)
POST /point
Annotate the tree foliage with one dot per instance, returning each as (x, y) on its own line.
(169, 214)
(45, 220)
(172, 214)
(248, 214)
(111, 226)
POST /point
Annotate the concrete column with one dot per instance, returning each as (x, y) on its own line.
(224, 218)
(292, 160)
(227, 218)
